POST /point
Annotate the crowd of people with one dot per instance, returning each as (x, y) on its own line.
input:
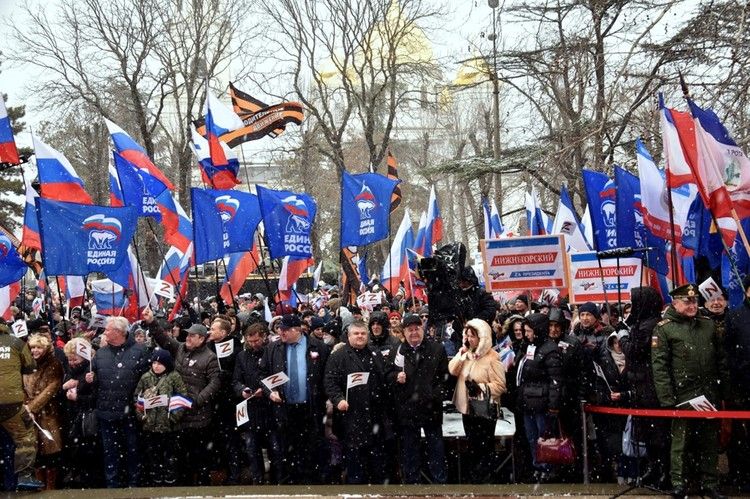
(336, 394)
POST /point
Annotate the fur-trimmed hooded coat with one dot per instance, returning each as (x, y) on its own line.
(482, 366)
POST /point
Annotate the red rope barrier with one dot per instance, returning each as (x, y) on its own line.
(667, 413)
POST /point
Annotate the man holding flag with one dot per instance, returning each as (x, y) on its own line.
(354, 382)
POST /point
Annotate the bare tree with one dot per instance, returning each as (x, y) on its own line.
(372, 49)
(136, 62)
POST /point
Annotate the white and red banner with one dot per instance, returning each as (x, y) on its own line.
(524, 263)
(587, 278)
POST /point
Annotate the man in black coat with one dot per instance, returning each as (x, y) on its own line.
(354, 383)
(737, 345)
(299, 404)
(256, 433)
(116, 369)
(226, 438)
(417, 372)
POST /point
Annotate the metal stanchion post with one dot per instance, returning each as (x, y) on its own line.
(586, 480)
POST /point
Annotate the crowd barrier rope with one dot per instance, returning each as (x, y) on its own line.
(646, 413)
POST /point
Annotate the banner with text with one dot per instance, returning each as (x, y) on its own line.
(586, 278)
(534, 262)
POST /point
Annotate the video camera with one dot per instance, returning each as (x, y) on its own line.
(441, 274)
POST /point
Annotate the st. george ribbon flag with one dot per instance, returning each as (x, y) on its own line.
(288, 218)
(224, 221)
(365, 206)
(12, 267)
(78, 239)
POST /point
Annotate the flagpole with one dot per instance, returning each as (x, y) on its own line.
(263, 273)
(143, 277)
(219, 300)
(673, 249)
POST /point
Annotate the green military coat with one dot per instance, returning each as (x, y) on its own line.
(688, 360)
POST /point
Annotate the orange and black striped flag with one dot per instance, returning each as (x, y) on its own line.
(259, 118)
(30, 256)
(393, 173)
(350, 275)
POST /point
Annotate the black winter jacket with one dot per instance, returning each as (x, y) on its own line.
(247, 375)
(419, 401)
(737, 344)
(540, 379)
(274, 361)
(363, 420)
(117, 371)
(644, 315)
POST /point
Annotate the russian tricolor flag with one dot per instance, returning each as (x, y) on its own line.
(8, 151)
(420, 241)
(434, 230)
(116, 199)
(239, 267)
(7, 295)
(396, 267)
(154, 180)
(220, 119)
(178, 228)
(57, 178)
(216, 176)
(493, 225)
(30, 237)
(291, 269)
(109, 297)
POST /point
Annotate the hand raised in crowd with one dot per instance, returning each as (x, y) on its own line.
(72, 394)
(89, 377)
(70, 384)
(615, 396)
(401, 378)
(343, 406)
(275, 397)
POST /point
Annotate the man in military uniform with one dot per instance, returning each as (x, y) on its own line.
(688, 361)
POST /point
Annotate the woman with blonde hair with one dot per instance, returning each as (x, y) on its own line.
(480, 375)
(40, 388)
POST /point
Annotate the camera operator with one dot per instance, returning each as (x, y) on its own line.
(454, 292)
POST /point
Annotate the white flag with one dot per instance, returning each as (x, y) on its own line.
(275, 380)
(156, 401)
(709, 289)
(83, 349)
(241, 414)
(356, 379)
(267, 315)
(20, 329)
(224, 349)
(700, 403)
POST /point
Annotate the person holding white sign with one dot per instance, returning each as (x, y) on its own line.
(354, 382)
(227, 439)
(299, 405)
(256, 433)
(417, 373)
(152, 395)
